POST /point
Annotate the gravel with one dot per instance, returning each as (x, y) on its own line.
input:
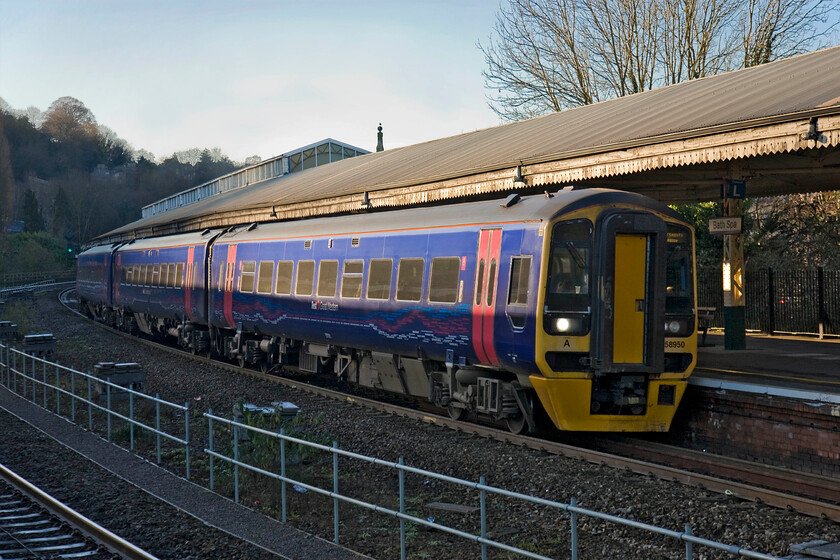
(171, 534)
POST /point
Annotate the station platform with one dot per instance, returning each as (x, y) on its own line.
(792, 366)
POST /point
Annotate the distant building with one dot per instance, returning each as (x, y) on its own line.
(314, 155)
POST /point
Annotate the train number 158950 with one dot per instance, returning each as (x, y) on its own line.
(674, 344)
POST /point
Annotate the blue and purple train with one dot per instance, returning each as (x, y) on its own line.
(577, 306)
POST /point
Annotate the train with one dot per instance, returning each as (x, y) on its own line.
(574, 310)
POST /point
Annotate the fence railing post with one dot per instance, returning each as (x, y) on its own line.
(131, 421)
(483, 504)
(44, 379)
(335, 489)
(402, 510)
(157, 425)
(90, 402)
(574, 524)
(187, 436)
(57, 389)
(235, 466)
(108, 407)
(283, 474)
(73, 395)
(210, 443)
(689, 546)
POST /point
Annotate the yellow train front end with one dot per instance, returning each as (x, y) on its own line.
(617, 326)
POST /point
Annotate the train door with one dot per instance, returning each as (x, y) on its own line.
(632, 334)
(484, 300)
(189, 283)
(227, 286)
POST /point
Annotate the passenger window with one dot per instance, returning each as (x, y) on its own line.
(222, 279)
(179, 275)
(379, 279)
(520, 273)
(156, 275)
(170, 280)
(246, 276)
(264, 277)
(164, 271)
(479, 282)
(491, 282)
(410, 279)
(327, 278)
(351, 279)
(229, 277)
(443, 279)
(129, 275)
(305, 277)
(284, 277)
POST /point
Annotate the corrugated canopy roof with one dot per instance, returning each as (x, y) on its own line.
(746, 113)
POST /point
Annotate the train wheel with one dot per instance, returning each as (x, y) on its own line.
(517, 424)
(456, 413)
(241, 360)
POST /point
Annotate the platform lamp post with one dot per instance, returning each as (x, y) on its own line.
(734, 313)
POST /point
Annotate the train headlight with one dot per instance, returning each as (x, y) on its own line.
(567, 324)
(679, 326)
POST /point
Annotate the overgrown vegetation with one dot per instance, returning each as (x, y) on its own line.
(63, 173)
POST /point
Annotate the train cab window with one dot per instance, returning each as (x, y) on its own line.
(305, 278)
(520, 274)
(179, 275)
(283, 285)
(265, 275)
(379, 279)
(443, 279)
(410, 279)
(351, 279)
(327, 278)
(246, 276)
(569, 266)
(679, 284)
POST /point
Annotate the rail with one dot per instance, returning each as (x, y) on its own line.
(17, 368)
(90, 529)
(484, 490)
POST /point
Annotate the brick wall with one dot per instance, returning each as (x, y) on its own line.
(778, 431)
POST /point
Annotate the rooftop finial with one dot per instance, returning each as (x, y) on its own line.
(379, 146)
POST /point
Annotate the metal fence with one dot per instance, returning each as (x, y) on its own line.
(58, 388)
(21, 278)
(85, 397)
(779, 301)
(236, 431)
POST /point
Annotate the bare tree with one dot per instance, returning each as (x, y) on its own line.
(548, 55)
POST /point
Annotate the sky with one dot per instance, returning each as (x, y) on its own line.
(253, 77)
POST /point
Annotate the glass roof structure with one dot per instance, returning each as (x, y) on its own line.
(314, 155)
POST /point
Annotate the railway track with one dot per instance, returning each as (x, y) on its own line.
(34, 525)
(734, 479)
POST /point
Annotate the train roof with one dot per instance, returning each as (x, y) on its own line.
(528, 155)
(514, 209)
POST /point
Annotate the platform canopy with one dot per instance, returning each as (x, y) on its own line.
(775, 126)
